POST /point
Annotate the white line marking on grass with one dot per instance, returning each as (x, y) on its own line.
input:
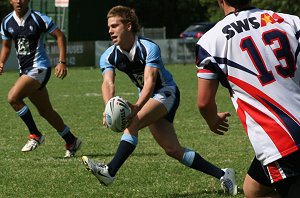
(121, 94)
(126, 93)
(41, 160)
(99, 94)
(93, 94)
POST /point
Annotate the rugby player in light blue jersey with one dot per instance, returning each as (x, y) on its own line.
(156, 106)
(27, 28)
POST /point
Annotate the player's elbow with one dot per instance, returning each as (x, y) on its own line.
(205, 108)
(202, 104)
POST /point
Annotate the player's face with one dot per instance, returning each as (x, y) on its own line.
(118, 31)
(20, 6)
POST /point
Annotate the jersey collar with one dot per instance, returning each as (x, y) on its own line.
(21, 22)
(132, 51)
(239, 10)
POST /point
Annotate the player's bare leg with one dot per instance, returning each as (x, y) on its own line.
(41, 101)
(152, 111)
(22, 88)
(254, 189)
(164, 133)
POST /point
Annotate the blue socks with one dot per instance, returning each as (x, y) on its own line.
(125, 149)
(27, 118)
(195, 161)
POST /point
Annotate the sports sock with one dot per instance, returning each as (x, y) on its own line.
(195, 161)
(27, 118)
(126, 147)
(67, 135)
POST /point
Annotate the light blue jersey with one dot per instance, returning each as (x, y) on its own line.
(143, 53)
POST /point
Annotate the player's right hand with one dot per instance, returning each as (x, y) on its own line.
(134, 110)
(61, 70)
(220, 125)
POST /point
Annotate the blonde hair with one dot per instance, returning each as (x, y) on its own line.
(127, 14)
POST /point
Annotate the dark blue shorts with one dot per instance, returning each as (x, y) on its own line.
(283, 174)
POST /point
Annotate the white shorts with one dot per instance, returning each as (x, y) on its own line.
(42, 75)
(170, 98)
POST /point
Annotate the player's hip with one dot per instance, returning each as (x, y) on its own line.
(169, 96)
(42, 74)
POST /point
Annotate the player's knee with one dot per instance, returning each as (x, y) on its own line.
(13, 100)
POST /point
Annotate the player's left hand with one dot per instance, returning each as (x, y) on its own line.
(104, 119)
(61, 70)
(220, 124)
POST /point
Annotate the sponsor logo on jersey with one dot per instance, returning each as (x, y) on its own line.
(247, 24)
(11, 30)
(266, 19)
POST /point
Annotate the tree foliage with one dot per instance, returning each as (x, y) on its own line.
(176, 15)
(214, 13)
(5, 8)
(286, 6)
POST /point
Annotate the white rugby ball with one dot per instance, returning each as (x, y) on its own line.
(116, 112)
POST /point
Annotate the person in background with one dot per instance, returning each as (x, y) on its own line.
(159, 96)
(255, 54)
(26, 28)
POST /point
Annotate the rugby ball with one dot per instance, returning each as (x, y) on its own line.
(116, 113)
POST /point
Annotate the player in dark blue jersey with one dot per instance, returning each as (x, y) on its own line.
(156, 106)
(27, 28)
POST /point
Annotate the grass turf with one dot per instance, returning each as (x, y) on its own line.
(147, 173)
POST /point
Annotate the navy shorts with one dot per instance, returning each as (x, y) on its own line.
(283, 174)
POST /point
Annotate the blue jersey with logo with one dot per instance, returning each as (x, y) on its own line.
(28, 35)
(143, 53)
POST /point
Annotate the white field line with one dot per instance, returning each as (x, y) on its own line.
(99, 94)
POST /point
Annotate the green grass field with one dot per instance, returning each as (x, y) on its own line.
(147, 173)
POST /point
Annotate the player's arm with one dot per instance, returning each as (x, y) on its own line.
(61, 67)
(207, 90)
(4, 54)
(108, 85)
(150, 76)
(108, 88)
